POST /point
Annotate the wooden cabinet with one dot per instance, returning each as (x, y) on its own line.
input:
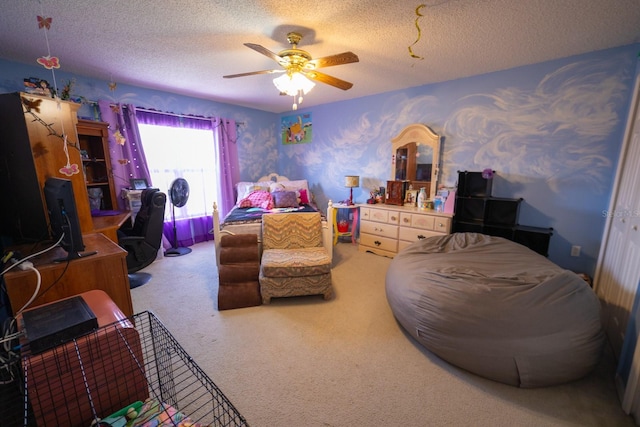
(32, 149)
(386, 230)
(93, 138)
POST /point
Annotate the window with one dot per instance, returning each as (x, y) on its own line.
(175, 152)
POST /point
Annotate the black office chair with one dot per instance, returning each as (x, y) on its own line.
(143, 240)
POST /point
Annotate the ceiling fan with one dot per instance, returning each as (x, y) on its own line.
(296, 60)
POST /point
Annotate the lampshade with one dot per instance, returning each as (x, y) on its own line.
(294, 84)
(351, 181)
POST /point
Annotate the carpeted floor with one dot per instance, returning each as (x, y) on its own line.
(346, 362)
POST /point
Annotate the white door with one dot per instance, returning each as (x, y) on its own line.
(618, 270)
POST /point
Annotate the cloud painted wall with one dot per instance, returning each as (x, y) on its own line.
(551, 131)
(256, 135)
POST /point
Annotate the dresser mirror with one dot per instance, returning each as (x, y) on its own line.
(416, 158)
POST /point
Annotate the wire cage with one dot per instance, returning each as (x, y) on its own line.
(134, 363)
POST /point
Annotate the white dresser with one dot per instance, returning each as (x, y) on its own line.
(387, 229)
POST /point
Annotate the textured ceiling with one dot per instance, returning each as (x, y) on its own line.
(186, 46)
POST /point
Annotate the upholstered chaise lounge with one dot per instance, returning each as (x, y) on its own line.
(294, 261)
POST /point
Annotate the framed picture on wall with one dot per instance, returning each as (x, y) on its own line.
(296, 129)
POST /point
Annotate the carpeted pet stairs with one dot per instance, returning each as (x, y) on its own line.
(238, 274)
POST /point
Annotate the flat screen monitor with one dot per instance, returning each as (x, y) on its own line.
(63, 217)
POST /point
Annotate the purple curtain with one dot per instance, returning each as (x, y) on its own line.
(127, 155)
(225, 136)
(196, 229)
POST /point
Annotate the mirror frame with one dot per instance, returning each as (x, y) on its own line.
(418, 133)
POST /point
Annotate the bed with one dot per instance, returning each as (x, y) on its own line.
(246, 216)
(497, 309)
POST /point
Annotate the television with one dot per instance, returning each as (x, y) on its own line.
(63, 217)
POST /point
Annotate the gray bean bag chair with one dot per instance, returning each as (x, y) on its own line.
(497, 309)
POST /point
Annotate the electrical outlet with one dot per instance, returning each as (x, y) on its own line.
(575, 250)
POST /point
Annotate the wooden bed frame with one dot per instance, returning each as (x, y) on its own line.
(327, 224)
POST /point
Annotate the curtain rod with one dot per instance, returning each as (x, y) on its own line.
(146, 110)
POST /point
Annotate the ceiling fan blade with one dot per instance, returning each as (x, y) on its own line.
(232, 76)
(325, 78)
(339, 59)
(266, 52)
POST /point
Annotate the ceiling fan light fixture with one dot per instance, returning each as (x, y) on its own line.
(294, 84)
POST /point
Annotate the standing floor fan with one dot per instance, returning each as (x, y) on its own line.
(178, 195)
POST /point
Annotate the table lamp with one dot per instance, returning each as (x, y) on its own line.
(351, 181)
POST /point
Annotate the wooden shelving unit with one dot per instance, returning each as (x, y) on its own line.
(93, 138)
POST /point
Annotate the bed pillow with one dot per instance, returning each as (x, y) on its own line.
(304, 196)
(285, 199)
(257, 199)
(300, 186)
(276, 186)
(244, 188)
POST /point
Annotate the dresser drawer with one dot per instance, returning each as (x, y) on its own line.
(365, 213)
(382, 243)
(380, 215)
(442, 225)
(379, 229)
(417, 221)
(413, 234)
(385, 230)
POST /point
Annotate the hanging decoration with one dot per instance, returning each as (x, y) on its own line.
(51, 63)
(418, 16)
(117, 135)
(69, 169)
(44, 22)
(48, 62)
(120, 139)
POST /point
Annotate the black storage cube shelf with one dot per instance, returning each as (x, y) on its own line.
(477, 212)
(535, 238)
(467, 227)
(506, 232)
(469, 209)
(502, 211)
(472, 184)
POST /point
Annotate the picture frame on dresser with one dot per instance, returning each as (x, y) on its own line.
(410, 197)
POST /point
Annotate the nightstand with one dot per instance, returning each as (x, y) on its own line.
(350, 231)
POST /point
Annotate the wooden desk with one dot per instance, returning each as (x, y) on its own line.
(109, 225)
(106, 270)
